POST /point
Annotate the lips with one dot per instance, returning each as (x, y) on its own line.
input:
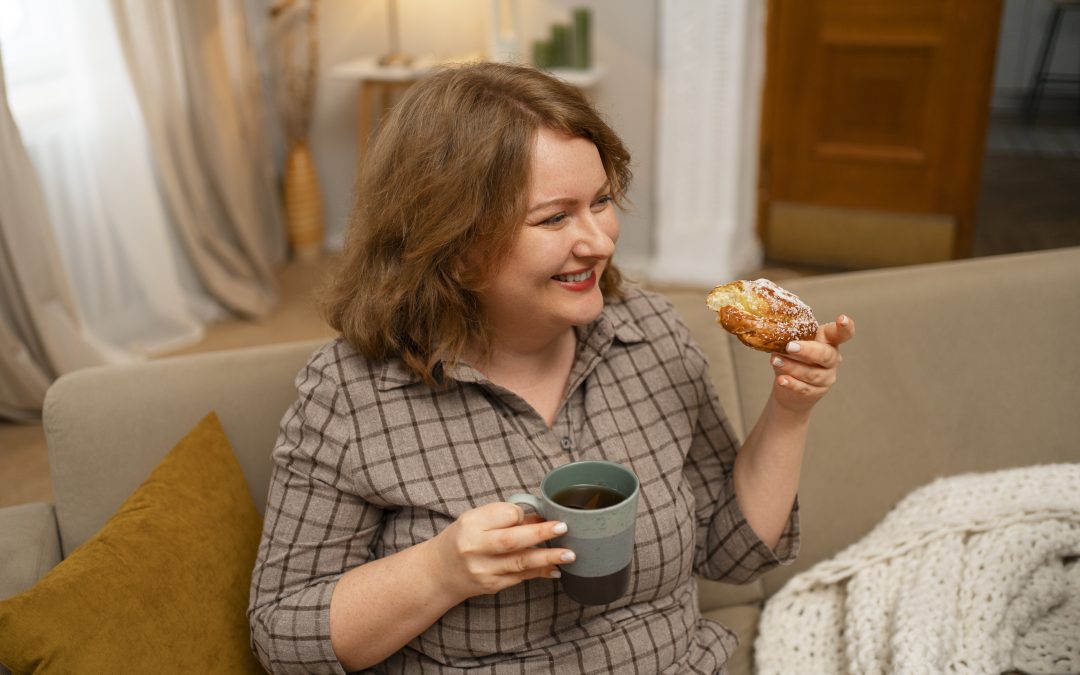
(577, 282)
(575, 277)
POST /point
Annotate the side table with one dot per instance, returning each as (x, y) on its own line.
(382, 86)
(378, 84)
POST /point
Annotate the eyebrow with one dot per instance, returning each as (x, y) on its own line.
(606, 187)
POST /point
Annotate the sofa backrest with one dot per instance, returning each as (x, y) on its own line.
(955, 368)
(107, 427)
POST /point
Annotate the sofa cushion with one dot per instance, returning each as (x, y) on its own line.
(718, 595)
(164, 585)
(743, 621)
(29, 545)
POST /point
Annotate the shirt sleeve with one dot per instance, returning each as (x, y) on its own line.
(315, 529)
(728, 549)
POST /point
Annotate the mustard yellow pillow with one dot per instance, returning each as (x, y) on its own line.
(163, 587)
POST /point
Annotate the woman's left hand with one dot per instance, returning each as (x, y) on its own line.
(806, 372)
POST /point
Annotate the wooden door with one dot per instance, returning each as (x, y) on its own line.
(873, 129)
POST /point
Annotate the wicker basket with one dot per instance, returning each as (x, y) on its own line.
(303, 203)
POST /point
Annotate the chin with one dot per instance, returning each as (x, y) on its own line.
(588, 309)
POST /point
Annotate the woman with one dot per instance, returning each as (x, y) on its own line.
(486, 339)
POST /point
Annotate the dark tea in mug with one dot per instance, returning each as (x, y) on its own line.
(588, 497)
(593, 590)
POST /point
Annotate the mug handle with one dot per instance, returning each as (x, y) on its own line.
(530, 501)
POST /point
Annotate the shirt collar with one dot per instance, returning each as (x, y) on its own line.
(617, 321)
(614, 323)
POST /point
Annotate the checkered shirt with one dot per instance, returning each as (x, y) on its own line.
(370, 461)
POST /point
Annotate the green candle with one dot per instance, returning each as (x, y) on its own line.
(542, 53)
(560, 45)
(582, 51)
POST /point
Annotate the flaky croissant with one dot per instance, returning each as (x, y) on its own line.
(761, 314)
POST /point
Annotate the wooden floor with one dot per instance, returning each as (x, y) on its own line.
(1030, 201)
(1030, 198)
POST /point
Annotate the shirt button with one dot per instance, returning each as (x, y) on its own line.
(566, 443)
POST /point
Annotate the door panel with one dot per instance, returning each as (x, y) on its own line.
(879, 106)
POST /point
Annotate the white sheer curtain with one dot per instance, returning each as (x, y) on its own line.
(42, 334)
(73, 101)
(711, 77)
(197, 85)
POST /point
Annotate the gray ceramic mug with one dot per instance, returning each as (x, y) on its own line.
(599, 506)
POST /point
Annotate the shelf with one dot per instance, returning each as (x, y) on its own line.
(367, 68)
(579, 78)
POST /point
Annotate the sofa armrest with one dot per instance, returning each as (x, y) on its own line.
(29, 546)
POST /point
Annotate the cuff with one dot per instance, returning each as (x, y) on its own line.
(741, 556)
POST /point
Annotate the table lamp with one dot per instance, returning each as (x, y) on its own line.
(395, 57)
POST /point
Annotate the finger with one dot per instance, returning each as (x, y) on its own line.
(535, 560)
(497, 516)
(839, 331)
(541, 573)
(812, 352)
(803, 389)
(511, 539)
(815, 375)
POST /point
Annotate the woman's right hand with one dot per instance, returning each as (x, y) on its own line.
(496, 546)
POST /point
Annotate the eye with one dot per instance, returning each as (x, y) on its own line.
(602, 202)
(553, 220)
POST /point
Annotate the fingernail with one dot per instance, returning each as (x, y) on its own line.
(560, 528)
(568, 556)
(842, 320)
(783, 381)
(778, 362)
(555, 574)
(793, 347)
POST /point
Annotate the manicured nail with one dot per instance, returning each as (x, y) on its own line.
(568, 556)
(793, 347)
(560, 528)
(778, 362)
(555, 574)
(843, 320)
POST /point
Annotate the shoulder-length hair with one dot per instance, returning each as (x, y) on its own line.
(445, 181)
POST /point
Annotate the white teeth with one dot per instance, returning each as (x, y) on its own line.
(573, 278)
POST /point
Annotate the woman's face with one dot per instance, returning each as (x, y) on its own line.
(549, 281)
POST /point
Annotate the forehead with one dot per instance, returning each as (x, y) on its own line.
(562, 163)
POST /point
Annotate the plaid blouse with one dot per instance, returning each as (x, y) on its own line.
(370, 460)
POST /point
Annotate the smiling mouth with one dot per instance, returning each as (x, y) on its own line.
(573, 278)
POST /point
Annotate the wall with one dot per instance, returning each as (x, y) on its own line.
(350, 29)
(624, 43)
(1023, 24)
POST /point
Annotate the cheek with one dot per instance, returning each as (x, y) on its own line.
(528, 264)
(611, 225)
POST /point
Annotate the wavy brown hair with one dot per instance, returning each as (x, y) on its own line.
(447, 180)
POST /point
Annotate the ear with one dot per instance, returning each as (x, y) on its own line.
(467, 269)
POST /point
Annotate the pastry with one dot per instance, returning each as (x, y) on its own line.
(761, 314)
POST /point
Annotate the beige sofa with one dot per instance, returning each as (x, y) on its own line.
(956, 367)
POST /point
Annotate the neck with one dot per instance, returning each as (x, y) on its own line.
(526, 355)
(538, 373)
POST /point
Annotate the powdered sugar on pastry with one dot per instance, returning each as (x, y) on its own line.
(761, 314)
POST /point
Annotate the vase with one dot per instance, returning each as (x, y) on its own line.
(303, 203)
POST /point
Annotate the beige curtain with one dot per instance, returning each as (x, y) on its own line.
(198, 87)
(41, 334)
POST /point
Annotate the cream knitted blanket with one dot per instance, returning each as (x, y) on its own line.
(976, 573)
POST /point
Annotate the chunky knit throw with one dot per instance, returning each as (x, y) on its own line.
(976, 573)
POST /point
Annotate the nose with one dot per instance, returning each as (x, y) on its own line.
(596, 236)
